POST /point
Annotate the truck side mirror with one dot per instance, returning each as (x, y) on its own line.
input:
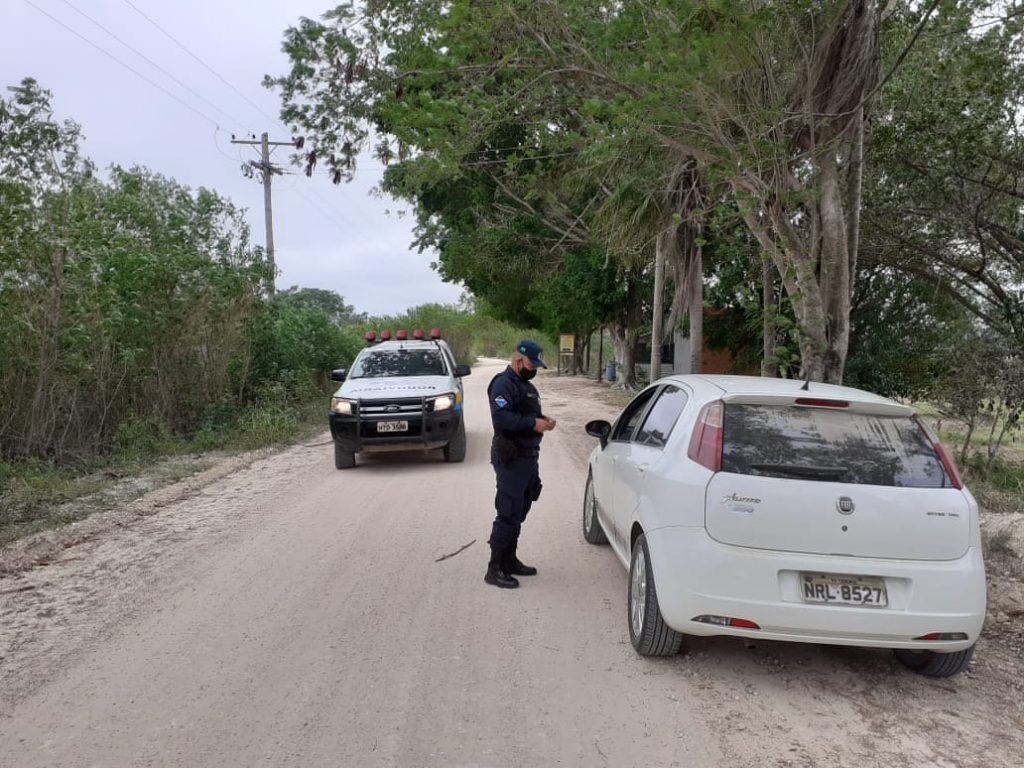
(339, 374)
(462, 370)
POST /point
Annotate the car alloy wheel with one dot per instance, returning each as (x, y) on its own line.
(638, 593)
(592, 530)
(648, 632)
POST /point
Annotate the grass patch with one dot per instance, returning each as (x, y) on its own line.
(37, 495)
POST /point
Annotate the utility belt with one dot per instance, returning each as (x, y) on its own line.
(507, 450)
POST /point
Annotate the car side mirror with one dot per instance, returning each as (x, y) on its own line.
(462, 370)
(339, 374)
(599, 428)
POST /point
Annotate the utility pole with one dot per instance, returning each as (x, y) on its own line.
(266, 172)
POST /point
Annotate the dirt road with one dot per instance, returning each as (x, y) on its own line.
(288, 614)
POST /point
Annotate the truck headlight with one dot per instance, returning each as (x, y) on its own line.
(443, 402)
(341, 406)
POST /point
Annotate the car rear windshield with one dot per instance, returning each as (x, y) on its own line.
(398, 362)
(828, 444)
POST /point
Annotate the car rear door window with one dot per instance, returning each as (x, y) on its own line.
(828, 444)
(661, 418)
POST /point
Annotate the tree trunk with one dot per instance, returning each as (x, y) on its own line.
(769, 365)
(625, 340)
(659, 295)
(695, 302)
(835, 279)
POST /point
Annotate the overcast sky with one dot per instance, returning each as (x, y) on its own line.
(338, 238)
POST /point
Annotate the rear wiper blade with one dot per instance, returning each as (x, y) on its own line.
(802, 470)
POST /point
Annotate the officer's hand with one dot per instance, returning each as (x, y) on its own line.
(541, 424)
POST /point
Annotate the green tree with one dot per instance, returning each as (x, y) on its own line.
(769, 100)
(944, 195)
(327, 302)
(120, 300)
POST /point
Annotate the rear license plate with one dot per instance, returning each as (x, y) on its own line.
(392, 426)
(843, 590)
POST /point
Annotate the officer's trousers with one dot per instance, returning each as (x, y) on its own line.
(514, 497)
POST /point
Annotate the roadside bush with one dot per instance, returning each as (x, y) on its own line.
(468, 334)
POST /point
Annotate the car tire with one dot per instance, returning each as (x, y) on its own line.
(343, 459)
(592, 530)
(648, 632)
(455, 451)
(933, 664)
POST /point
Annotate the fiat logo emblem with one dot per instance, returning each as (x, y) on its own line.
(845, 505)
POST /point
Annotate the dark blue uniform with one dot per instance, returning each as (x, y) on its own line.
(515, 405)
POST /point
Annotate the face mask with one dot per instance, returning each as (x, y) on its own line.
(526, 374)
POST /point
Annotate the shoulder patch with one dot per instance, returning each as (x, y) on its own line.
(500, 401)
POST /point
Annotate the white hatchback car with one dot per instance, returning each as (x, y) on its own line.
(760, 508)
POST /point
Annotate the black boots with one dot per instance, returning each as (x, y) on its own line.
(497, 574)
(505, 566)
(514, 567)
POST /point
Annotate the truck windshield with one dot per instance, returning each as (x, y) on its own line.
(398, 362)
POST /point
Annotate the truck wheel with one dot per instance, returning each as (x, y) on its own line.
(343, 459)
(455, 451)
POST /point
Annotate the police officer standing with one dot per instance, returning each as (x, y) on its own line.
(519, 426)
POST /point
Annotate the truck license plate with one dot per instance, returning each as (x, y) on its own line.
(844, 590)
(392, 426)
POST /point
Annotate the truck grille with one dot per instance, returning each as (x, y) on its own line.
(393, 408)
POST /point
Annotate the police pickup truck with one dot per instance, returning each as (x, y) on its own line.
(401, 394)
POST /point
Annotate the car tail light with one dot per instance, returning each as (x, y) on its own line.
(417, 333)
(385, 335)
(943, 636)
(401, 335)
(727, 621)
(435, 333)
(940, 451)
(706, 441)
(821, 403)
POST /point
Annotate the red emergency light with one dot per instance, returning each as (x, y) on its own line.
(401, 335)
(370, 337)
(385, 335)
(435, 333)
(417, 333)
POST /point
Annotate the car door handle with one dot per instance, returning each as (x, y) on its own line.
(641, 468)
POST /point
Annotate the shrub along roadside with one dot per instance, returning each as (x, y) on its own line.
(37, 495)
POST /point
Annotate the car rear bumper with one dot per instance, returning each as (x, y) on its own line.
(697, 576)
(426, 431)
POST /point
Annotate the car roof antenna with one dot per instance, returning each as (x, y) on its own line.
(807, 384)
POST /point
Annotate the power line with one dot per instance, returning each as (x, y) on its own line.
(181, 45)
(108, 54)
(152, 63)
(343, 226)
(216, 143)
